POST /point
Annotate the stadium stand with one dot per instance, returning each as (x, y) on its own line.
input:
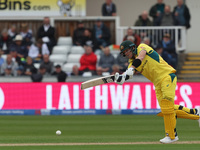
(62, 40)
(58, 58)
(115, 53)
(61, 49)
(72, 59)
(190, 69)
(77, 50)
(67, 55)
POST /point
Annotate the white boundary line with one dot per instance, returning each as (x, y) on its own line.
(74, 144)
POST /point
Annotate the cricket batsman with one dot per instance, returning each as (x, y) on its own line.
(150, 64)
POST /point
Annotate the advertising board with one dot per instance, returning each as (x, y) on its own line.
(69, 96)
(43, 8)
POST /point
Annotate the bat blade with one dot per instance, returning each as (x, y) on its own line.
(97, 81)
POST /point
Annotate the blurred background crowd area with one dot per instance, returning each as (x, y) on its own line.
(86, 48)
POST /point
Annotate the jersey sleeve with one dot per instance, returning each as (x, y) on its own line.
(145, 47)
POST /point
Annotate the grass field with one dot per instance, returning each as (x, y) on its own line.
(88, 132)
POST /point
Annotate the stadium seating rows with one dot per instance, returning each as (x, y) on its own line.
(67, 55)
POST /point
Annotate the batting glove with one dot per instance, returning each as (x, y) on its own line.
(120, 79)
(130, 72)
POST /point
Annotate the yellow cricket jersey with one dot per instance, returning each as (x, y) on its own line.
(153, 67)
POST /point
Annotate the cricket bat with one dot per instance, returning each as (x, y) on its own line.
(97, 81)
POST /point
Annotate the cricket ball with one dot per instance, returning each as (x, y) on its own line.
(58, 132)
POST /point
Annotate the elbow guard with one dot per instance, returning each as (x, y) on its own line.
(136, 63)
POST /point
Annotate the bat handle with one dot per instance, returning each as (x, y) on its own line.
(127, 77)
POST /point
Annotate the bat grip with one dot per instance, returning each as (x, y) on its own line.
(127, 77)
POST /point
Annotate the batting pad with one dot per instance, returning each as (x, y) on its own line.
(167, 108)
(182, 114)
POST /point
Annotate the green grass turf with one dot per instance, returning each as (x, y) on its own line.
(109, 147)
(93, 129)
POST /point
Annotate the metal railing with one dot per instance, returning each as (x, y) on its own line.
(155, 33)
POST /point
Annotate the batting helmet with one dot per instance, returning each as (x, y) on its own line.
(126, 45)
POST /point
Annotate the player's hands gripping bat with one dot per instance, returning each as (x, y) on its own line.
(107, 79)
(120, 79)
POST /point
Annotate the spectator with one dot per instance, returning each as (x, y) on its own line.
(37, 77)
(47, 33)
(20, 48)
(159, 50)
(131, 38)
(87, 38)
(166, 56)
(47, 64)
(61, 75)
(106, 62)
(147, 40)
(78, 34)
(5, 41)
(12, 31)
(43, 71)
(169, 48)
(29, 68)
(1, 59)
(20, 71)
(122, 62)
(9, 67)
(131, 33)
(181, 14)
(143, 20)
(13, 53)
(75, 70)
(88, 62)
(156, 10)
(26, 34)
(102, 35)
(36, 51)
(115, 69)
(108, 8)
(166, 18)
